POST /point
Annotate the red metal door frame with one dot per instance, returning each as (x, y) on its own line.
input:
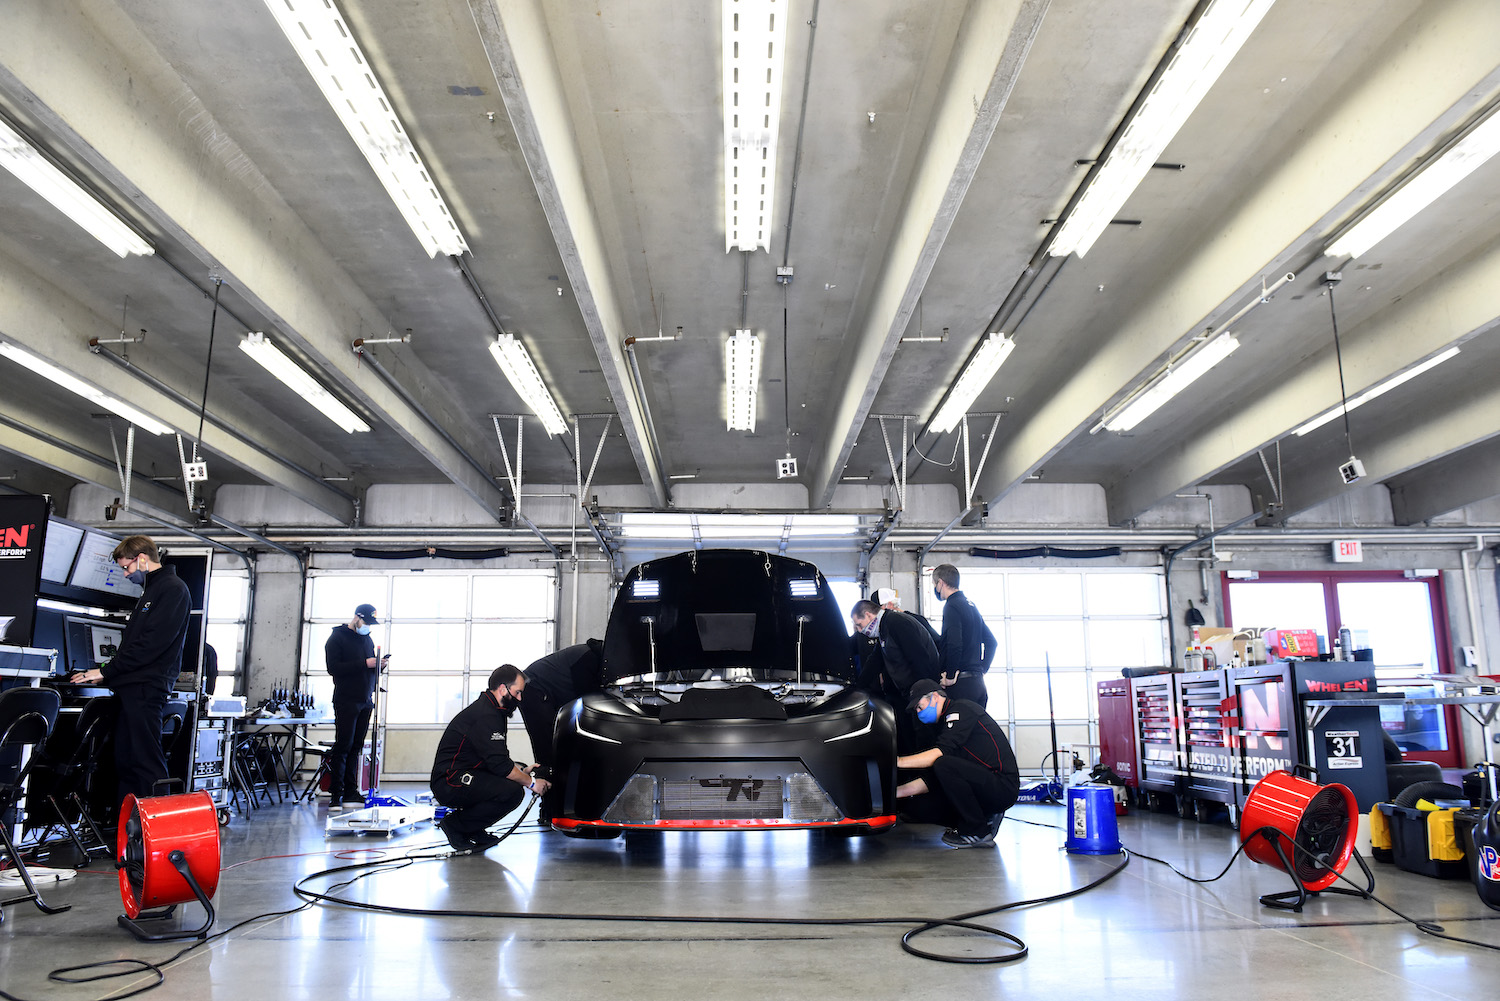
(1330, 579)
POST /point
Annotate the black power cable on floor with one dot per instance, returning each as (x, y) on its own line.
(923, 924)
(1426, 927)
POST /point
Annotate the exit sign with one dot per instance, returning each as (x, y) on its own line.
(1348, 551)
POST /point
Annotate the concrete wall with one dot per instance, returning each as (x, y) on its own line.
(1045, 508)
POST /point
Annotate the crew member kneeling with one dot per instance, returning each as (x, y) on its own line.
(972, 772)
(473, 774)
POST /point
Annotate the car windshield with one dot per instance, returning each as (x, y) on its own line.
(724, 615)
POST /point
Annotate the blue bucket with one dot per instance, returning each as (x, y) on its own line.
(1091, 825)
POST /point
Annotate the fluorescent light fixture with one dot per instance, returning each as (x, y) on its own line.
(332, 55)
(741, 373)
(754, 51)
(1209, 46)
(510, 354)
(41, 175)
(1178, 377)
(73, 384)
(271, 358)
(1378, 390)
(1421, 190)
(993, 351)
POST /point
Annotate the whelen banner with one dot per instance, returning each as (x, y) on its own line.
(23, 532)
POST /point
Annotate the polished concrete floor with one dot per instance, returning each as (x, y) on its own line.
(1144, 934)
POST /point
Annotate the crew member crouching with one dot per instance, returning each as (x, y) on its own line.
(971, 773)
(473, 774)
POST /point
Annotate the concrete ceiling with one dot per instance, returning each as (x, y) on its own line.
(579, 145)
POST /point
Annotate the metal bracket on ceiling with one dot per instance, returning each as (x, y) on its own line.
(125, 469)
(583, 483)
(513, 475)
(970, 482)
(1276, 482)
(898, 473)
(888, 521)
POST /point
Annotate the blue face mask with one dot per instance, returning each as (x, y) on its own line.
(363, 630)
(136, 577)
(927, 714)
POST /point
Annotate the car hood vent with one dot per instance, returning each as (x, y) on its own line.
(739, 702)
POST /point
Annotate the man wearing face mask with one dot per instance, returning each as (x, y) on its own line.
(969, 779)
(473, 774)
(146, 665)
(350, 656)
(968, 646)
(907, 652)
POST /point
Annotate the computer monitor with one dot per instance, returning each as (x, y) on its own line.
(90, 643)
(96, 570)
(61, 550)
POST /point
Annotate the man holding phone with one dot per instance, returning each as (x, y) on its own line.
(350, 656)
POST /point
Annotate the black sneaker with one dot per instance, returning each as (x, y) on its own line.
(483, 841)
(459, 842)
(955, 840)
(995, 824)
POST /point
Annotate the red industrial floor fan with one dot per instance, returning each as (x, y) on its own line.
(1305, 829)
(168, 853)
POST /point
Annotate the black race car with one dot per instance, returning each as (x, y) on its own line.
(728, 703)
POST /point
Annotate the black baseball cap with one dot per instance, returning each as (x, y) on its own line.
(922, 689)
(367, 612)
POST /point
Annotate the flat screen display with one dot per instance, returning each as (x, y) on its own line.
(91, 642)
(62, 547)
(96, 571)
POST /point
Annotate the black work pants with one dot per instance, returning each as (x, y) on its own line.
(139, 760)
(350, 725)
(477, 806)
(539, 713)
(972, 688)
(975, 792)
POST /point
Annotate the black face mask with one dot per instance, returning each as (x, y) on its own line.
(508, 702)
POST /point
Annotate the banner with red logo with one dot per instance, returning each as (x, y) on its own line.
(23, 532)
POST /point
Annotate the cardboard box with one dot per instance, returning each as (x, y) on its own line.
(1224, 644)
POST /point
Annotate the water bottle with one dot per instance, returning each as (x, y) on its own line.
(1346, 643)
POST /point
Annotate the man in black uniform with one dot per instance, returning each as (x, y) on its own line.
(552, 683)
(907, 653)
(971, 773)
(968, 646)
(144, 669)
(350, 656)
(473, 774)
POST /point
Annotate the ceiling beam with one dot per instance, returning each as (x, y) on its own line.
(1365, 135)
(21, 435)
(1447, 484)
(97, 84)
(519, 47)
(45, 320)
(1401, 446)
(993, 42)
(1460, 302)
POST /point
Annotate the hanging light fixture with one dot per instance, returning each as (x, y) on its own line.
(73, 384)
(754, 53)
(1421, 190)
(19, 156)
(993, 351)
(1207, 48)
(1177, 377)
(741, 375)
(510, 354)
(333, 56)
(271, 358)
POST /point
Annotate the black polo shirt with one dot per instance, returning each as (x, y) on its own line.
(966, 730)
